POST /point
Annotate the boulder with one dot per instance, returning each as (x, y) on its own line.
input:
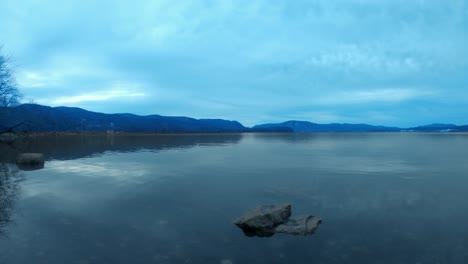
(262, 220)
(30, 161)
(300, 225)
(267, 220)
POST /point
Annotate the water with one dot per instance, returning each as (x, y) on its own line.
(383, 198)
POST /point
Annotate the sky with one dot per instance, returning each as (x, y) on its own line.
(395, 62)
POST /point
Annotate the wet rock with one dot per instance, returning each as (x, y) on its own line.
(301, 225)
(30, 161)
(262, 220)
(267, 220)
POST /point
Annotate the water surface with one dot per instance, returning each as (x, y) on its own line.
(383, 198)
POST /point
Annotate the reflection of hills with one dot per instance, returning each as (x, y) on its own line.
(302, 138)
(64, 147)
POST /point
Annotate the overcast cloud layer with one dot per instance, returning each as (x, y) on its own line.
(390, 62)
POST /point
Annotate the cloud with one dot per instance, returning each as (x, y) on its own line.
(374, 96)
(252, 61)
(99, 96)
(367, 58)
(322, 117)
(31, 79)
(119, 91)
(61, 70)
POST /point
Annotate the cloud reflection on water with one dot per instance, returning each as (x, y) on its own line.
(120, 170)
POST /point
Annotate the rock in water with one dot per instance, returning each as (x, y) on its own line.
(301, 225)
(267, 220)
(262, 220)
(30, 161)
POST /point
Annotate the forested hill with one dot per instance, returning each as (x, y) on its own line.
(38, 118)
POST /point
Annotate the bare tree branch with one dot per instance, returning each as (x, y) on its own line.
(10, 129)
(9, 94)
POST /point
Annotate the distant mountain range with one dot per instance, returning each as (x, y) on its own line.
(304, 126)
(38, 118)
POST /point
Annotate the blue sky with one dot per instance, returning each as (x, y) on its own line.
(358, 61)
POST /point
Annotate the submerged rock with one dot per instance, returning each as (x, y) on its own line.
(30, 161)
(301, 225)
(226, 261)
(265, 221)
(262, 220)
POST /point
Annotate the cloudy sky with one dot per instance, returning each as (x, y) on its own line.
(394, 62)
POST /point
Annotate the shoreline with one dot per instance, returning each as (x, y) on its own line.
(102, 133)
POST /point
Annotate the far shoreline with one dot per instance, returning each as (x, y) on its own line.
(103, 133)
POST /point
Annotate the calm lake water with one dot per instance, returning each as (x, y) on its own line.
(383, 198)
